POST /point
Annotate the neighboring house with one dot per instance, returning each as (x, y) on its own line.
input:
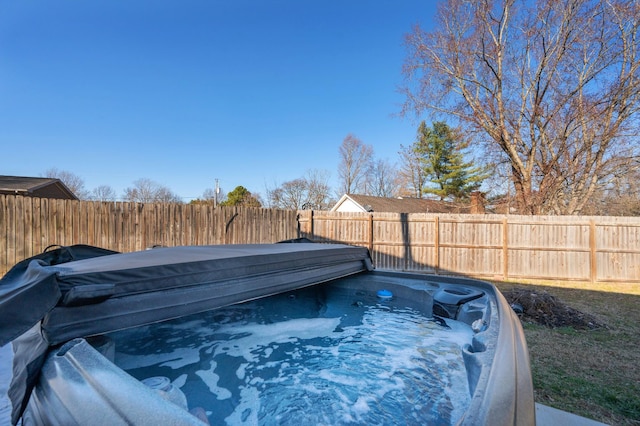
(35, 187)
(368, 203)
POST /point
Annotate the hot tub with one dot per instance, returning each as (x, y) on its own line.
(271, 334)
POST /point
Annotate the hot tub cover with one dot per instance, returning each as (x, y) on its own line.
(80, 291)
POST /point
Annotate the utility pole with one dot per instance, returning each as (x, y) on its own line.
(215, 195)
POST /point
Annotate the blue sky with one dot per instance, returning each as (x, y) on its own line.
(251, 93)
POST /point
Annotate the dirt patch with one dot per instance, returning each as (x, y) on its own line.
(540, 307)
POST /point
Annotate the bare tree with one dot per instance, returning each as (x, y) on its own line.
(383, 179)
(165, 195)
(213, 195)
(411, 176)
(355, 161)
(147, 191)
(103, 193)
(318, 189)
(290, 195)
(554, 86)
(309, 192)
(72, 181)
(620, 198)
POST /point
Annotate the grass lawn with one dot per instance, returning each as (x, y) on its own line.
(593, 373)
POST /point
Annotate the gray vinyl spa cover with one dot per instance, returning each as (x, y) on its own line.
(112, 291)
(81, 291)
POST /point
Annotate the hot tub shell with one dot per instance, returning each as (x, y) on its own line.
(74, 383)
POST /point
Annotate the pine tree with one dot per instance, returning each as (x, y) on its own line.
(241, 196)
(442, 153)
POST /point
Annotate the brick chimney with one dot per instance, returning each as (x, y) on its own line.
(477, 203)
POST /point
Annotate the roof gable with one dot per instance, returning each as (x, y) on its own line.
(35, 187)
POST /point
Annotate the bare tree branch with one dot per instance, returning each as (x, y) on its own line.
(554, 85)
(355, 160)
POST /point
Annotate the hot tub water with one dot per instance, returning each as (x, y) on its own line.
(310, 357)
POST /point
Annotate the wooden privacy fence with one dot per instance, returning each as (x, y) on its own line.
(567, 248)
(28, 225)
(596, 249)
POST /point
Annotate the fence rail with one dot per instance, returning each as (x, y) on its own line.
(567, 248)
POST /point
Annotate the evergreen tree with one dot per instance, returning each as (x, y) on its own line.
(442, 153)
(241, 196)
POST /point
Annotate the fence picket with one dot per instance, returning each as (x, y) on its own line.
(596, 249)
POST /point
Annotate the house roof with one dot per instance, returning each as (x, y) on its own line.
(370, 203)
(35, 187)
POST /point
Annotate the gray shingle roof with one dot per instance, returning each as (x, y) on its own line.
(406, 205)
(35, 187)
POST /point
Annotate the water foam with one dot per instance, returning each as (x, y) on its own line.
(254, 364)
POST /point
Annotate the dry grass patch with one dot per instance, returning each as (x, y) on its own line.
(583, 342)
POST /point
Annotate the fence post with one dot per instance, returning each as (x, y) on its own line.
(505, 250)
(311, 230)
(305, 227)
(371, 234)
(593, 258)
(437, 245)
